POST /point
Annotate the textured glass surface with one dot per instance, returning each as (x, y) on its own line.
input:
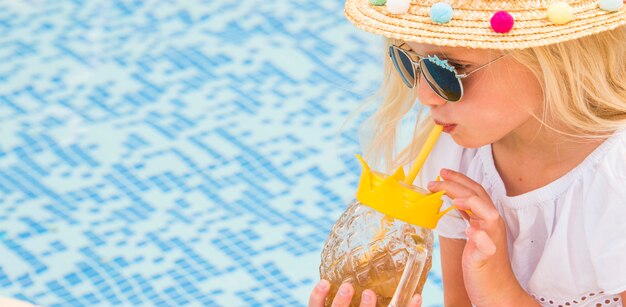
(371, 250)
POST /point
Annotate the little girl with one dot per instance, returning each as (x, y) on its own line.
(532, 97)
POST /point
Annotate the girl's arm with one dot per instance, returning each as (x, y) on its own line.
(454, 293)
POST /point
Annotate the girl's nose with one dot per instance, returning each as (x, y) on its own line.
(427, 96)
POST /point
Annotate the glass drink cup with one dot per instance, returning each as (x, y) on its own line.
(384, 240)
(371, 250)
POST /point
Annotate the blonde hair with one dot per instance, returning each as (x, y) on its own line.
(583, 81)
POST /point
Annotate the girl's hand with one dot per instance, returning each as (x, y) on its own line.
(487, 273)
(344, 296)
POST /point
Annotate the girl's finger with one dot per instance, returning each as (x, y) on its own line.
(368, 299)
(482, 210)
(474, 222)
(450, 175)
(453, 189)
(344, 296)
(416, 301)
(484, 247)
(465, 215)
(318, 296)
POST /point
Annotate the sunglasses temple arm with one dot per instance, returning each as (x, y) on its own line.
(481, 66)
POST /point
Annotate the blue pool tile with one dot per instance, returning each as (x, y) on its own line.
(177, 152)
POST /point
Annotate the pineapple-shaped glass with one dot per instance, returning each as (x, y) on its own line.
(371, 251)
(384, 240)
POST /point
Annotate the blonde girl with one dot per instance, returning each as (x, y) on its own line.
(532, 97)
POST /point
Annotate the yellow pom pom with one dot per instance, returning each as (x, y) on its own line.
(560, 13)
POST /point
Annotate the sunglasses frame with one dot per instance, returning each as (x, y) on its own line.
(418, 72)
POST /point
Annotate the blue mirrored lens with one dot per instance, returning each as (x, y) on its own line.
(443, 81)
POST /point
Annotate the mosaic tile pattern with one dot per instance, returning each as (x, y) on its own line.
(170, 153)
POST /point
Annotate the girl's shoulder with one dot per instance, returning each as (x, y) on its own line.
(608, 166)
(602, 215)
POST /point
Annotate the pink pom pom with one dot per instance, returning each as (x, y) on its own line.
(502, 22)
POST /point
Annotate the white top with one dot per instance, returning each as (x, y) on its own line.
(566, 240)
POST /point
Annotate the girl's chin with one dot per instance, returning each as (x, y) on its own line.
(466, 141)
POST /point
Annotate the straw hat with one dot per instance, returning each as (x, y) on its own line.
(486, 24)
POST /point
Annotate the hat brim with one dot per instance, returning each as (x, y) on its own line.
(470, 26)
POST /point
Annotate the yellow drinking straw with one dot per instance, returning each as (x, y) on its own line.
(424, 152)
(421, 158)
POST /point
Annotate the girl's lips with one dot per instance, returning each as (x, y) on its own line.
(446, 126)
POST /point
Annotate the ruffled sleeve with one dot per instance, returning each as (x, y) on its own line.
(605, 220)
(445, 154)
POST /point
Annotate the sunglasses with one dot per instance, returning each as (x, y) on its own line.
(441, 76)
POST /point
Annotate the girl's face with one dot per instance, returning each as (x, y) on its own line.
(497, 100)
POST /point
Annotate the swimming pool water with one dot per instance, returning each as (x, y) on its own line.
(176, 152)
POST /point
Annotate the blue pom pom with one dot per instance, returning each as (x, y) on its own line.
(441, 12)
(611, 5)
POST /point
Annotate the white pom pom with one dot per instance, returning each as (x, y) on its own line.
(398, 6)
